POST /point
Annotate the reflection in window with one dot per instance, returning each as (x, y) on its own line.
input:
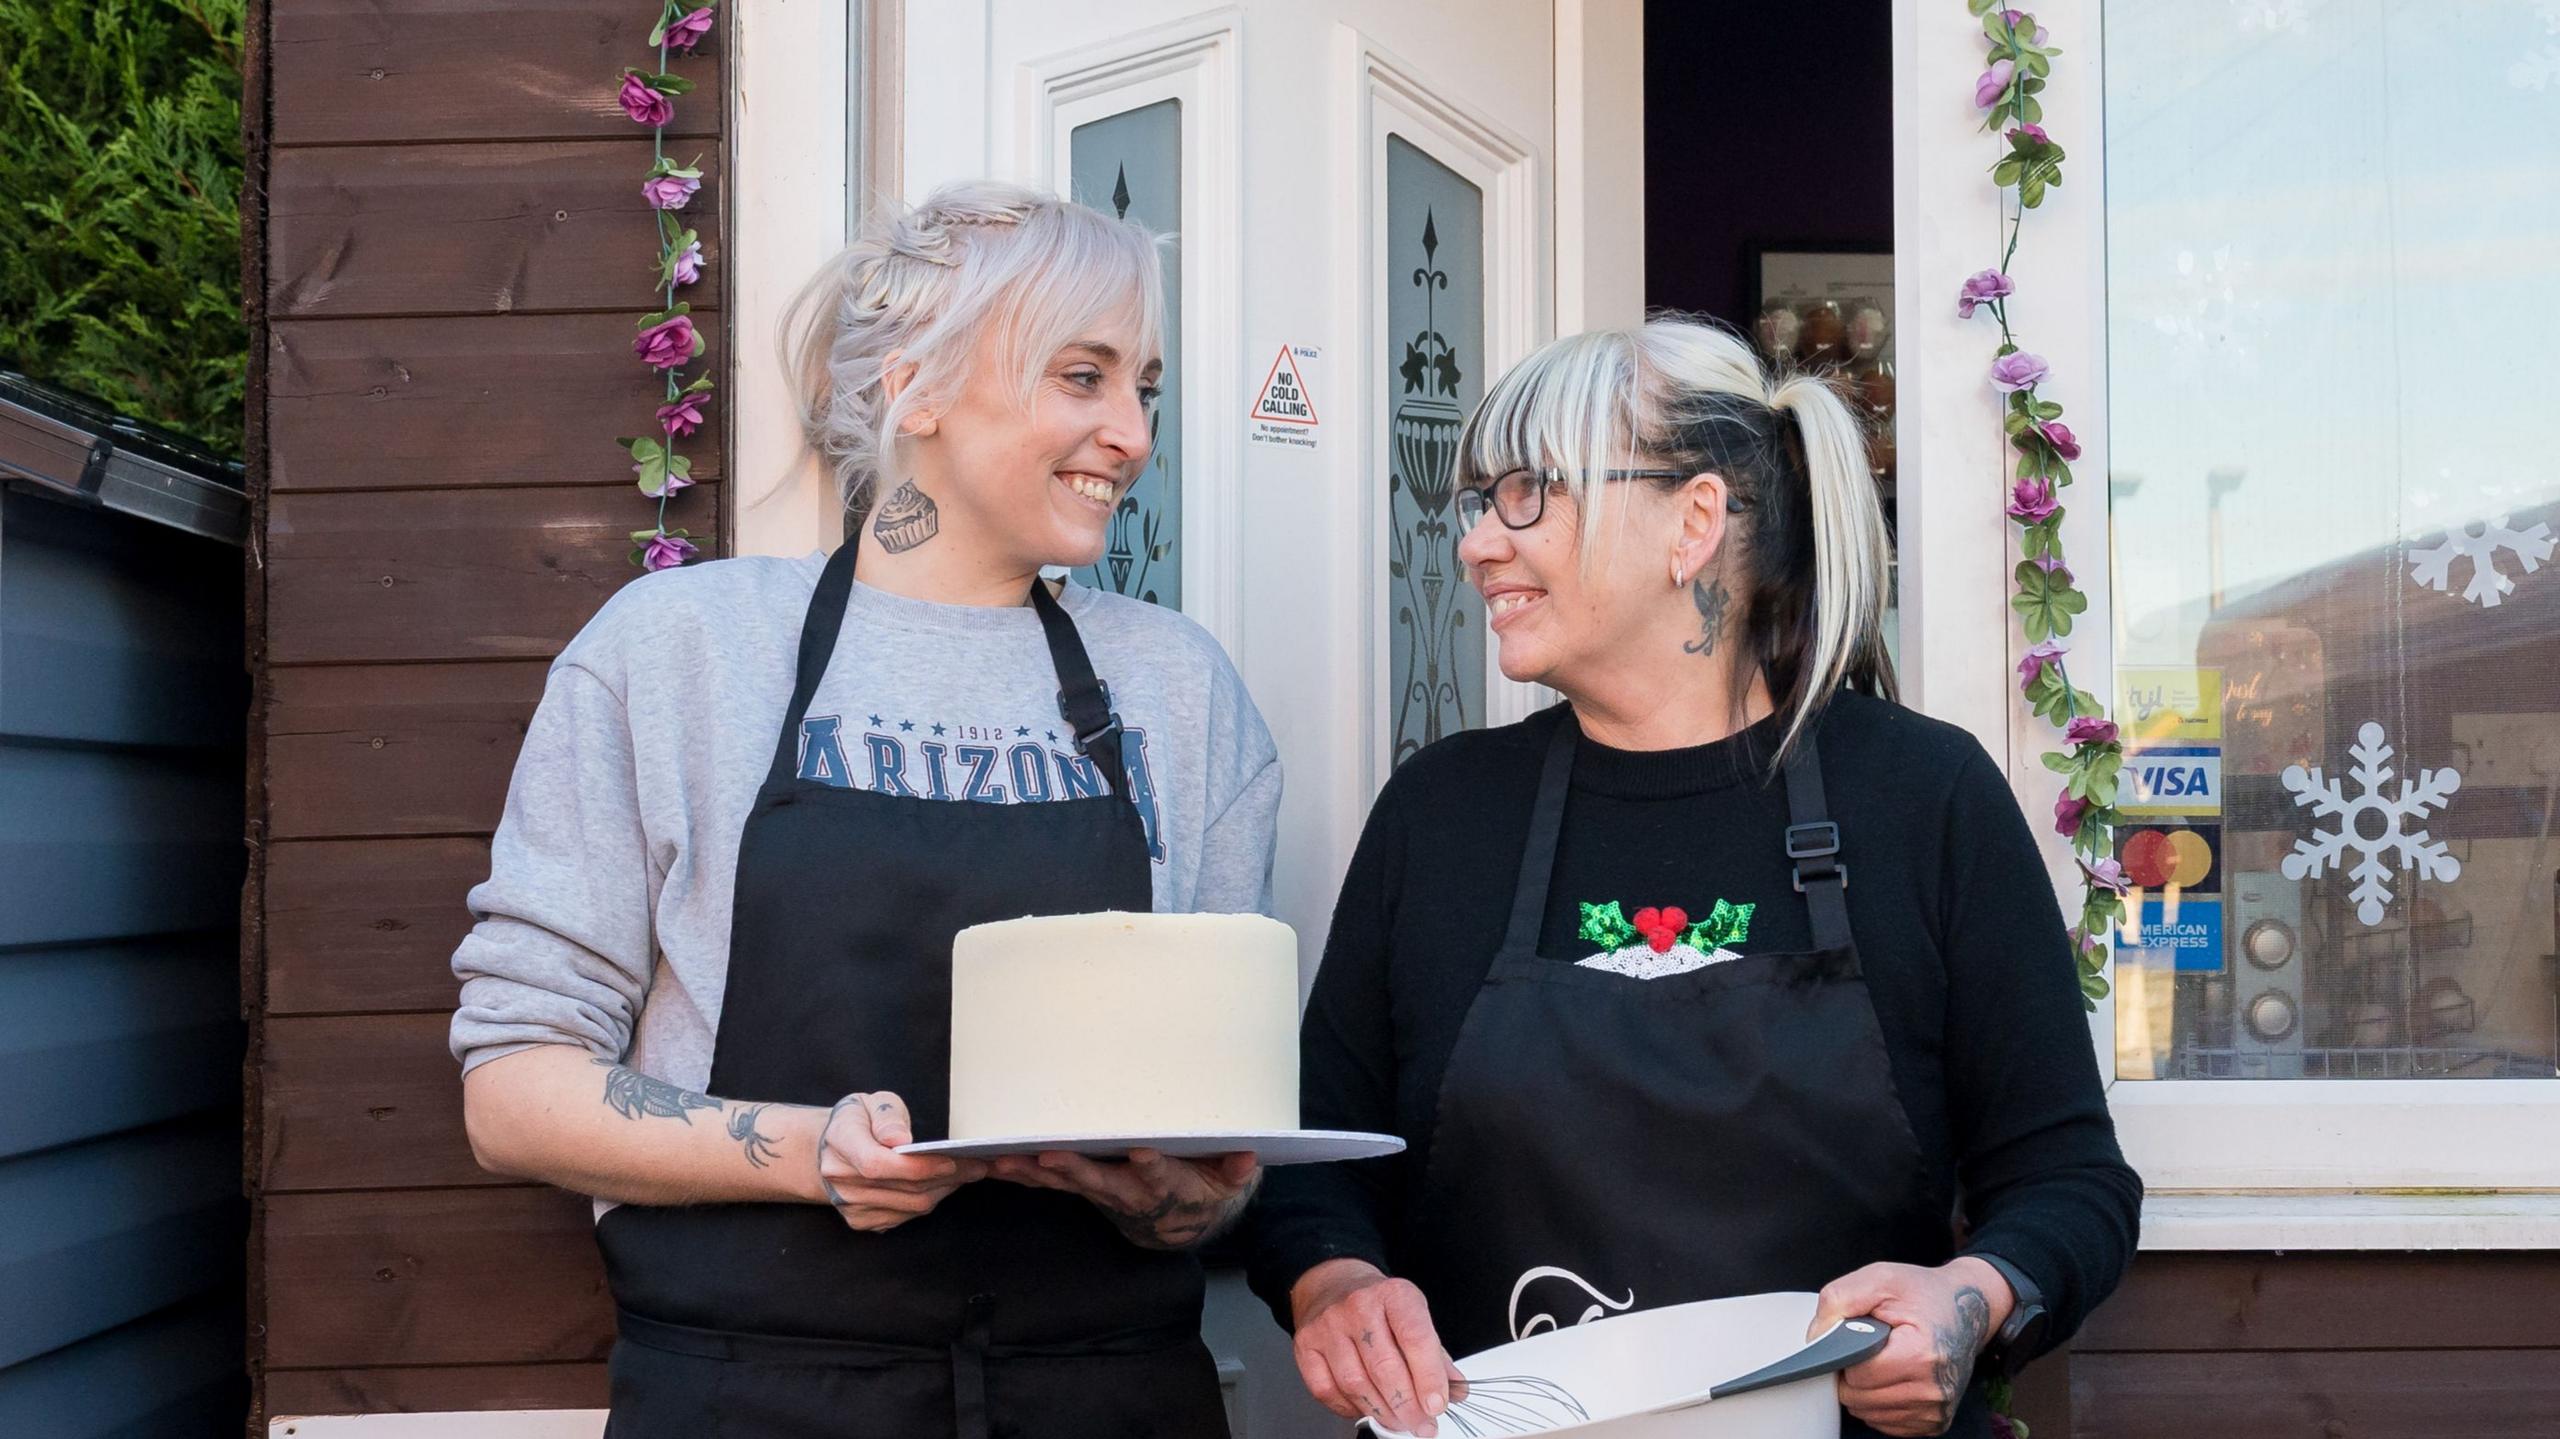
(1434, 375)
(1130, 165)
(2333, 242)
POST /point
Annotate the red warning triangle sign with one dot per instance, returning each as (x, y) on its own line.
(1283, 398)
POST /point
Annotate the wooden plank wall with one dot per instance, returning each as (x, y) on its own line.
(455, 248)
(2313, 1346)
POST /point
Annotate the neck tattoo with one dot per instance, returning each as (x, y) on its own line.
(1711, 598)
(907, 519)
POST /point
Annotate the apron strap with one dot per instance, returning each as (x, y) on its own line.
(818, 630)
(1813, 847)
(1546, 824)
(1084, 701)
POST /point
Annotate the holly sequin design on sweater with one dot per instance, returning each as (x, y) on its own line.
(1660, 942)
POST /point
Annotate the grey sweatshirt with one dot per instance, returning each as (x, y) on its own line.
(604, 922)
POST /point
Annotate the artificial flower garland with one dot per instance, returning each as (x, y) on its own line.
(2041, 448)
(667, 341)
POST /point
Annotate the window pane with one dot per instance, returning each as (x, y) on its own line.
(1131, 165)
(1435, 374)
(2333, 239)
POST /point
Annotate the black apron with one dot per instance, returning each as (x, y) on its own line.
(1008, 1311)
(1606, 1144)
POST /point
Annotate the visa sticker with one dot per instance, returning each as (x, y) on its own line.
(2172, 779)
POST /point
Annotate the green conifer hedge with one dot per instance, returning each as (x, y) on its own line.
(120, 205)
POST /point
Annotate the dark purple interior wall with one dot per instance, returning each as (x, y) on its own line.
(1764, 125)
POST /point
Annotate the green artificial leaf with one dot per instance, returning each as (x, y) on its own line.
(2045, 603)
(2005, 174)
(657, 34)
(2034, 113)
(2047, 410)
(699, 344)
(701, 383)
(644, 450)
(1979, 6)
(2017, 422)
(669, 84)
(2037, 65)
(2059, 761)
(2031, 191)
(1606, 926)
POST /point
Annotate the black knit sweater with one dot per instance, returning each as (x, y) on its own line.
(1962, 943)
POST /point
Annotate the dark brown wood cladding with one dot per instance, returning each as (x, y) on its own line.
(485, 229)
(384, 70)
(2325, 1394)
(433, 1276)
(2226, 1303)
(364, 1102)
(455, 249)
(445, 402)
(452, 574)
(398, 749)
(428, 1389)
(367, 925)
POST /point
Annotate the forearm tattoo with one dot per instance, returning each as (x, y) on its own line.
(1712, 599)
(1958, 1343)
(760, 1147)
(634, 1095)
(907, 519)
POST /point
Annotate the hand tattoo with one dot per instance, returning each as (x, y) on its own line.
(1711, 598)
(1174, 1222)
(907, 519)
(1958, 1344)
(760, 1147)
(634, 1095)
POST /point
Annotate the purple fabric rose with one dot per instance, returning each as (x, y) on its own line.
(2106, 874)
(688, 32)
(683, 417)
(667, 485)
(2017, 370)
(2032, 663)
(2086, 729)
(2058, 435)
(669, 192)
(665, 345)
(2067, 813)
(688, 267)
(643, 104)
(665, 552)
(1993, 83)
(2031, 501)
(2034, 134)
(1981, 286)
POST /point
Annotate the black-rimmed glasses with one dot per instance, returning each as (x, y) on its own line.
(1519, 498)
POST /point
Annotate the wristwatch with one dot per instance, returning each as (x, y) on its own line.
(2022, 1338)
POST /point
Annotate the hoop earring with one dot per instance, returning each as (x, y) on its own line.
(1678, 576)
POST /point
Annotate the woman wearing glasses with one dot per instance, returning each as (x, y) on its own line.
(1604, 968)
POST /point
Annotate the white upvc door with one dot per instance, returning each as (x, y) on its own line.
(1363, 193)
(2234, 1162)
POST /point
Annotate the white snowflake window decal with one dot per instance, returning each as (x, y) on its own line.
(2433, 565)
(2327, 799)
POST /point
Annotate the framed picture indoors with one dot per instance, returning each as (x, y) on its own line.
(1831, 311)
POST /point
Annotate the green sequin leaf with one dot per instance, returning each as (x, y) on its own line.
(1606, 926)
(1727, 924)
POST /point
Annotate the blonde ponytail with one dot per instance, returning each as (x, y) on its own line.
(1852, 555)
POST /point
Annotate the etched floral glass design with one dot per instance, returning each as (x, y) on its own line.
(1130, 165)
(1434, 375)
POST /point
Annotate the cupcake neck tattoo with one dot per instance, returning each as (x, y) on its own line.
(906, 519)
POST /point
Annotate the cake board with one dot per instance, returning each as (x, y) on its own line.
(1270, 1146)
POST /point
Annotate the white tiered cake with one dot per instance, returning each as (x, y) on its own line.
(1134, 1024)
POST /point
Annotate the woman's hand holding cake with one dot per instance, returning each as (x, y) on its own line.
(1157, 1200)
(863, 1176)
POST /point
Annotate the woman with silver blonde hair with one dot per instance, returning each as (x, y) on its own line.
(1604, 970)
(710, 982)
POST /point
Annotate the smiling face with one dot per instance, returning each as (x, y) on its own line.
(1040, 478)
(1561, 622)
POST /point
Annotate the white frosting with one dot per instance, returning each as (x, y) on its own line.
(1640, 962)
(1124, 1024)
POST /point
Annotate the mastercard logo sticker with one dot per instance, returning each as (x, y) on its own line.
(2159, 858)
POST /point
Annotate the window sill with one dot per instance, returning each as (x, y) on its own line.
(2268, 1222)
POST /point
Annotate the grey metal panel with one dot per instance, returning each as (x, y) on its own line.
(113, 1037)
(116, 633)
(103, 1233)
(100, 844)
(175, 1373)
(1265, 1398)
